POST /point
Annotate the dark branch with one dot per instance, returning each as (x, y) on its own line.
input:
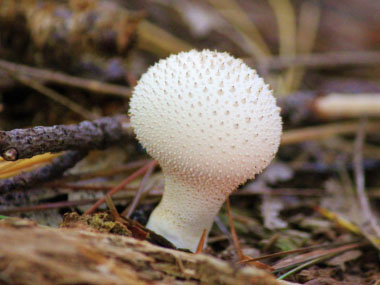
(97, 134)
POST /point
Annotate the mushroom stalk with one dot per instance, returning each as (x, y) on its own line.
(185, 227)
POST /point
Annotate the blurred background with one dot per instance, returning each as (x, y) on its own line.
(116, 41)
(321, 58)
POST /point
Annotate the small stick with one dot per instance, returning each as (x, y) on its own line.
(323, 60)
(235, 239)
(201, 243)
(104, 173)
(325, 131)
(306, 258)
(335, 105)
(87, 187)
(46, 207)
(360, 179)
(129, 210)
(111, 206)
(233, 231)
(281, 253)
(119, 187)
(312, 106)
(55, 205)
(97, 134)
(55, 96)
(223, 229)
(64, 79)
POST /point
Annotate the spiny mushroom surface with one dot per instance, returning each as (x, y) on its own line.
(212, 123)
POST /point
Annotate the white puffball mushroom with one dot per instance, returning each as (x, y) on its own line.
(212, 123)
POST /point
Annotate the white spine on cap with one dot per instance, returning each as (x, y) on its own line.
(212, 123)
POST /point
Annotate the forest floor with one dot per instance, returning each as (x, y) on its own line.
(310, 218)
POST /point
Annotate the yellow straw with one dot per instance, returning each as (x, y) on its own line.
(11, 168)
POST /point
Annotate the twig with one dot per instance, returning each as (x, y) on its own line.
(217, 239)
(306, 264)
(46, 206)
(281, 253)
(54, 170)
(306, 192)
(98, 134)
(64, 79)
(57, 205)
(233, 231)
(87, 187)
(119, 187)
(317, 256)
(128, 211)
(323, 60)
(54, 95)
(325, 131)
(111, 206)
(360, 179)
(100, 173)
(128, 195)
(304, 106)
(335, 105)
(223, 229)
(303, 192)
(201, 242)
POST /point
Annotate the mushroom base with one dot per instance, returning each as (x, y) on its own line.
(185, 211)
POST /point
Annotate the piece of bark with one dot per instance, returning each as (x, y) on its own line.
(36, 255)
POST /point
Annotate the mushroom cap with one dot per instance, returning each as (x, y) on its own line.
(206, 116)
